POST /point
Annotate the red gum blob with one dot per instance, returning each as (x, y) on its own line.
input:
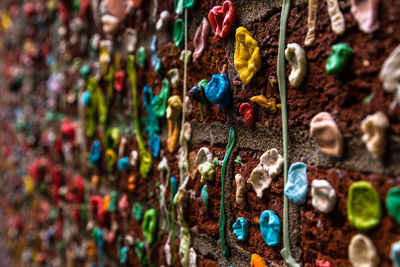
(119, 80)
(222, 19)
(96, 203)
(68, 130)
(322, 263)
(84, 8)
(201, 38)
(247, 113)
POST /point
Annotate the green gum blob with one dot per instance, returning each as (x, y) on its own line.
(222, 217)
(160, 102)
(137, 211)
(339, 58)
(149, 226)
(179, 32)
(363, 206)
(180, 5)
(158, 67)
(207, 171)
(141, 57)
(140, 252)
(111, 139)
(84, 71)
(113, 201)
(393, 203)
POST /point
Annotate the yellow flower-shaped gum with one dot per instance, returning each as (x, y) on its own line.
(247, 55)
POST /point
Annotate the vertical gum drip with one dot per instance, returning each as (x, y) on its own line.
(285, 252)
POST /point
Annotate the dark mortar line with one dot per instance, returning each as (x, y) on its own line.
(301, 147)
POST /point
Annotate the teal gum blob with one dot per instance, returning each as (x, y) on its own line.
(204, 196)
(217, 91)
(270, 227)
(297, 186)
(240, 229)
(123, 164)
(137, 211)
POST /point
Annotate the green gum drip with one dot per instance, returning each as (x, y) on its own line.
(110, 91)
(171, 214)
(285, 252)
(222, 219)
(145, 157)
(96, 103)
(160, 102)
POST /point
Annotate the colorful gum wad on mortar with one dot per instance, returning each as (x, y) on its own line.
(123, 206)
(363, 206)
(164, 171)
(247, 55)
(95, 155)
(395, 254)
(205, 197)
(297, 185)
(247, 113)
(393, 203)
(326, 134)
(366, 14)
(296, 56)
(180, 5)
(141, 57)
(257, 261)
(149, 226)
(323, 196)
(374, 133)
(111, 158)
(337, 20)
(222, 19)
(130, 40)
(174, 110)
(162, 22)
(119, 79)
(205, 165)
(110, 23)
(123, 164)
(322, 263)
(132, 183)
(270, 166)
(133, 158)
(179, 32)
(185, 55)
(262, 101)
(173, 74)
(137, 211)
(174, 186)
(201, 38)
(198, 92)
(240, 189)
(240, 229)
(160, 102)
(362, 252)
(155, 60)
(390, 75)
(339, 58)
(270, 228)
(217, 91)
